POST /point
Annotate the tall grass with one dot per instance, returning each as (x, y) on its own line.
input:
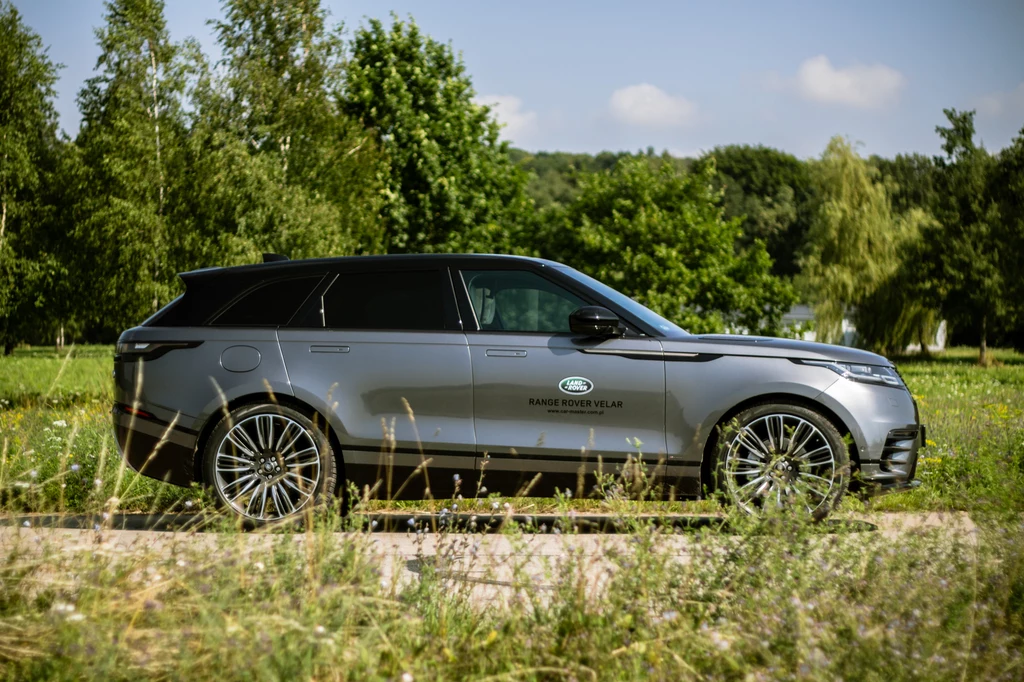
(736, 599)
(773, 600)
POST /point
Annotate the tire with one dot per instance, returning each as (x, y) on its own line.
(266, 463)
(784, 455)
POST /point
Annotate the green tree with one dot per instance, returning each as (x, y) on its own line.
(771, 193)
(854, 256)
(311, 186)
(964, 265)
(1007, 189)
(28, 152)
(132, 131)
(554, 176)
(658, 235)
(911, 179)
(451, 184)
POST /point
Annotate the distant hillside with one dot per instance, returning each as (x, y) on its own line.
(554, 173)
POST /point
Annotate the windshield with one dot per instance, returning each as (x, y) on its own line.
(646, 315)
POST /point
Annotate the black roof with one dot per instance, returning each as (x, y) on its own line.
(404, 259)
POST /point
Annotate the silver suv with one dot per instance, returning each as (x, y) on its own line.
(278, 385)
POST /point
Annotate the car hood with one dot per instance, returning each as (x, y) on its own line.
(735, 344)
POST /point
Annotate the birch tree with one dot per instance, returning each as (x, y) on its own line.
(131, 134)
(28, 143)
(304, 177)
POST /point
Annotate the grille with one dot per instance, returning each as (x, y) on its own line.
(899, 456)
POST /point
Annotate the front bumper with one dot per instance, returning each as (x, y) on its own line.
(155, 448)
(887, 432)
(895, 469)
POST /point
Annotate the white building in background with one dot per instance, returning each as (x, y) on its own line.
(801, 316)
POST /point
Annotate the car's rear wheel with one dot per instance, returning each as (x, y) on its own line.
(781, 455)
(268, 462)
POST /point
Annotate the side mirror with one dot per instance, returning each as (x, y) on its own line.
(593, 320)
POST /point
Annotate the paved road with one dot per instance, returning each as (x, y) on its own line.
(496, 568)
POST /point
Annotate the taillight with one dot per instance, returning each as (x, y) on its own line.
(149, 350)
(134, 411)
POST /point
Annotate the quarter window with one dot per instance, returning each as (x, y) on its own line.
(268, 305)
(399, 300)
(519, 301)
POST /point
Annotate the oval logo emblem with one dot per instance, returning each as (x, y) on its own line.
(576, 385)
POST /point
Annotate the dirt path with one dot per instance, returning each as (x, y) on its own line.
(496, 568)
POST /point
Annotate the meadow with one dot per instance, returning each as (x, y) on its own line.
(779, 598)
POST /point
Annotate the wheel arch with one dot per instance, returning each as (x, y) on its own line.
(317, 416)
(707, 459)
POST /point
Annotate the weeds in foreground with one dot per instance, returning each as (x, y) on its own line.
(777, 598)
(773, 599)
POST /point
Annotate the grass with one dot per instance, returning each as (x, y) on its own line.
(778, 598)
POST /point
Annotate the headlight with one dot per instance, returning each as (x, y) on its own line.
(865, 374)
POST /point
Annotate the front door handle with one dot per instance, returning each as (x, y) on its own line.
(329, 349)
(504, 353)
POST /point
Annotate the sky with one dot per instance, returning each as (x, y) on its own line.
(566, 75)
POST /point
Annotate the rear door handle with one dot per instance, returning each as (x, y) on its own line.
(329, 349)
(504, 353)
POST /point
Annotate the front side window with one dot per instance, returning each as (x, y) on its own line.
(411, 300)
(519, 301)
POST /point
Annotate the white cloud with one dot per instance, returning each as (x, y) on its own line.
(648, 105)
(1002, 103)
(864, 86)
(517, 123)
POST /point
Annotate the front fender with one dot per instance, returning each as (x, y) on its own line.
(700, 394)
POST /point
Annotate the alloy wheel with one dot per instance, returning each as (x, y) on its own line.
(780, 459)
(267, 467)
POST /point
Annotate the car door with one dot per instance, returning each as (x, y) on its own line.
(547, 401)
(384, 351)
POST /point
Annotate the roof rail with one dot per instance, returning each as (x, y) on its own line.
(273, 257)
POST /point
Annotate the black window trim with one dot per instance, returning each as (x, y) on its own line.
(315, 298)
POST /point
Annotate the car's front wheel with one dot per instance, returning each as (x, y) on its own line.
(268, 462)
(781, 455)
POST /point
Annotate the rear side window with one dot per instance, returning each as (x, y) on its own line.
(269, 305)
(411, 300)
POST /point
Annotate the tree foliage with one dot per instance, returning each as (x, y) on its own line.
(451, 185)
(966, 265)
(772, 195)
(302, 142)
(133, 126)
(855, 251)
(311, 185)
(659, 236)
(555, 176)
(29, 150)
(911, 180)
(1007, 190)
